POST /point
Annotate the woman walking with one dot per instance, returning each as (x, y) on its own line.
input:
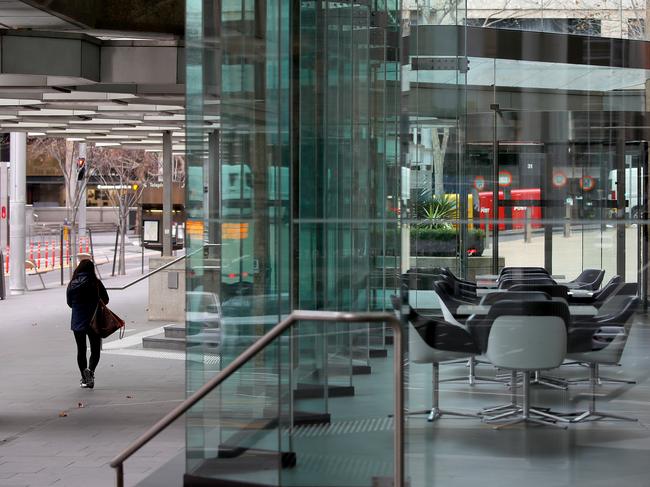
(83, 294)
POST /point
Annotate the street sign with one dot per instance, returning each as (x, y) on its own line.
(587, 183)
(559, 179)
(479, 183)
(505, 178)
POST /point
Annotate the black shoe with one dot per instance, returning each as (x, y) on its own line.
(82, 383)
(90, 378)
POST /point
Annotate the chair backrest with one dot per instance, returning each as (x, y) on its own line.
(527, 335)
(524, 269)
(456, 339)
(495, 297)
(608, 289)
(553, 290)
(507, 283)
(621, 321)
(591, 278)
(617, 310)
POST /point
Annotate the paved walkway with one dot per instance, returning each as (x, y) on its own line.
(54, 433)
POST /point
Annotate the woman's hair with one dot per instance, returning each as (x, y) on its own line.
(85, 266)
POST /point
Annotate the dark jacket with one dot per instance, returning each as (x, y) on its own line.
(83, 294)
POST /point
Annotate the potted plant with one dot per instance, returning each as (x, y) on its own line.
(436, 235)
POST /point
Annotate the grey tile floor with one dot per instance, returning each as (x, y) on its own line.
(39, 380)
(460, 452)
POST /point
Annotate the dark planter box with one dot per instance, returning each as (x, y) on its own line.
(446, 248)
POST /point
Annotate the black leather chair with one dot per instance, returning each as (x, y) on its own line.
(589, 279)
(599, 297)
(432, 341)
(452, 301)
(608, 344)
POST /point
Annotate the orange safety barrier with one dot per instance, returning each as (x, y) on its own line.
(38, 255)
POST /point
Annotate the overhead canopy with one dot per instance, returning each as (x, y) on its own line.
(121, 88)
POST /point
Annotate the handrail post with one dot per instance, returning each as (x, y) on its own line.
(119, 471)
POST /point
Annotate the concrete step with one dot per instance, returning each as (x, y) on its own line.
(162, 342)
(175, 331)
(166, 342)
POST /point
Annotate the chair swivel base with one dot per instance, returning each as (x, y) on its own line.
(601, 380)
(593, 415)
(545, 419)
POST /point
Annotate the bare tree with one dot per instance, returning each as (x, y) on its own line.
(126, 173)
(63, 151)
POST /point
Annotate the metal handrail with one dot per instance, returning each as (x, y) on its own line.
(158, 269)
(297, 315)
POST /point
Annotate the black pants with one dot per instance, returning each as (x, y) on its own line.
(95, 348)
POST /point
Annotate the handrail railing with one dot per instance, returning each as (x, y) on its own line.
(297, 315)
(158, 269)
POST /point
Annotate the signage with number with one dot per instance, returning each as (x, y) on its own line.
(505, 178)
(587, 183)
(559, 179)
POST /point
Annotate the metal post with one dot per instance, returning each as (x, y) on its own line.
(567, 220)
(528, 228)
(61, 254)
(117, 236)
(3, 292)
(621, 203)
(18, 147)
(167, 195)
(84, 197)
(4, 205)
(142, 249)
(92, 250)
(495, 191)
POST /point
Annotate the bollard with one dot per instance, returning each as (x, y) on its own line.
(528, 226)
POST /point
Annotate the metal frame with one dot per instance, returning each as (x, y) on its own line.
(298, 315)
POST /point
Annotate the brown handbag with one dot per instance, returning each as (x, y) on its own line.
(104, 322)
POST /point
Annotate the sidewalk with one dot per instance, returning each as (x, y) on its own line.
(54, 433)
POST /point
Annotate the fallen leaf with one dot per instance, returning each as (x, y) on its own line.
(63, 414)
(129, 397)
(80, 405)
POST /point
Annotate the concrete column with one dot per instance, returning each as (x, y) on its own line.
(81, 218)
(18, 148)
(167, 195)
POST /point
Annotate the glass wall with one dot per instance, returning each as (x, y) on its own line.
(340, 152)
(531, 137)
(293, 119)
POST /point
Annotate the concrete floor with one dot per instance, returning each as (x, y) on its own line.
(54, 433)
